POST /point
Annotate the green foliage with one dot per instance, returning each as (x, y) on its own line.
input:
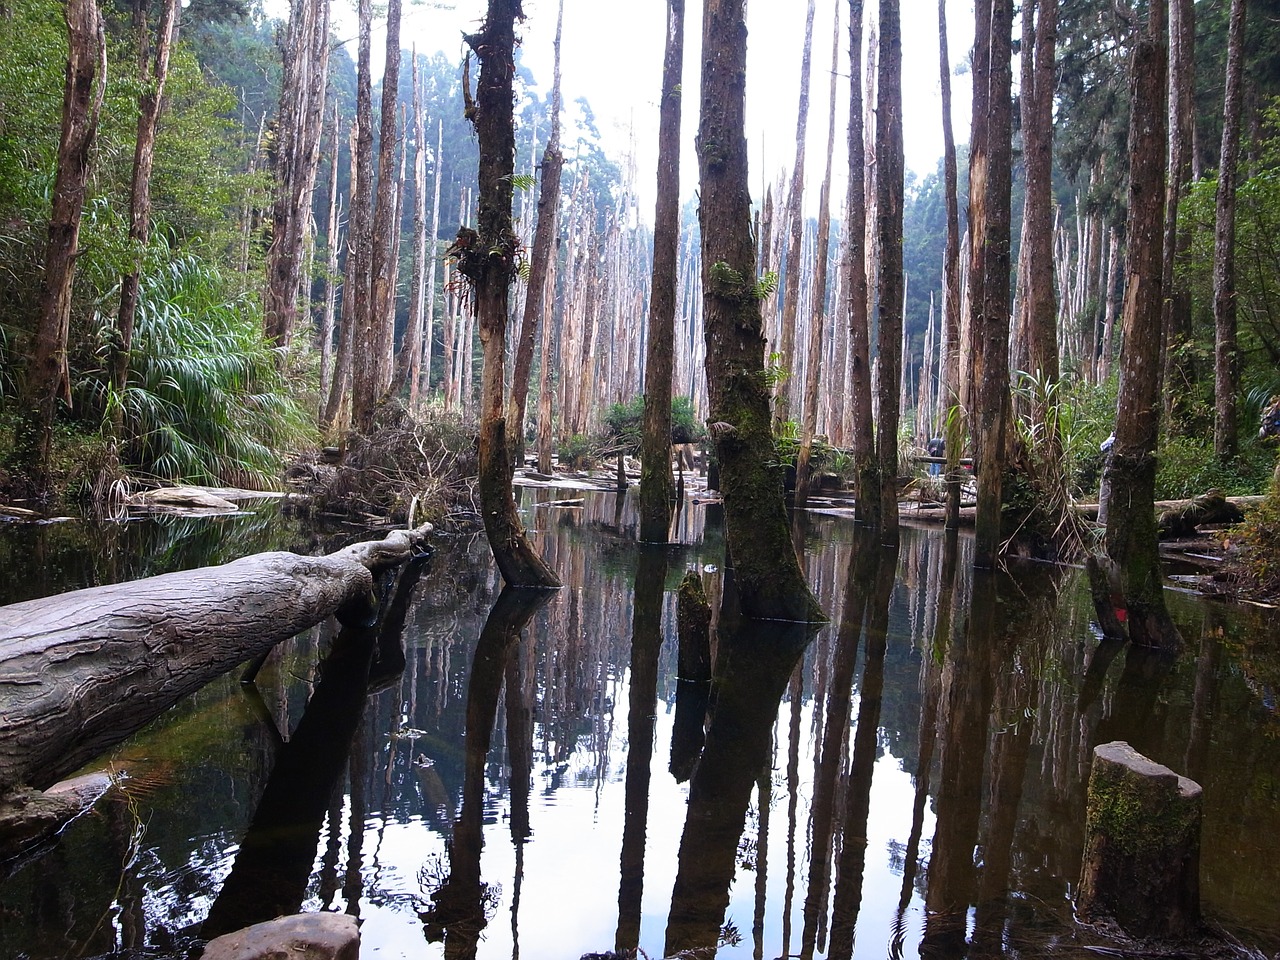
(1187, 467)
(577, 453)
(1259, 538)
(1080, 415)
(204, 402)
(625, 423)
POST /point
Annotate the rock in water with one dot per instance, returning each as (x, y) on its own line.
(303, 936)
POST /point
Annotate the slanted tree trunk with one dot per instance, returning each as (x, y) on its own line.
(890, 165)
(991, 322)
(818, 306)
(46, 372)
(81, 671)
(1132, 545)
(543, 243)
(656, 484)
(151, 80)
(768, 574)
(301, 116)
(364, 366)
(862, 429)
(1226, 357)
(794, 219)
(487, 259)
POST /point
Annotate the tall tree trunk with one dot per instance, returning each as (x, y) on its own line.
(1226, 357)
(991, 319)
(1037, 311)
(656, 485)
(545, 445)
(151, 80)
(1131, 540)
(487, 259)
(1177, 236)
(409, 360)
(340, 388)
(951, 301)
(771, 585)
(429, 334)
(330, 274)
(543, 244)
(46, 373)
(861, 429)
(818, 303)
(364, 366)
(890, 166)
(301, 117)
(386, 227)
(793, 217)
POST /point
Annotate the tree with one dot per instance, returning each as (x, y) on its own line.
(151, 78)
(299, 122)
(890, 165)
(771, 585)
(656, 486)
(862, 430)
(409, 359)
(951, 282)
(1226, 360)
(1130, 572)
(487, 259)
(46, 372)
(543, 239)
(364, 370)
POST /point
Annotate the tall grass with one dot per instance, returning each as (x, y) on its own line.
(204, 402)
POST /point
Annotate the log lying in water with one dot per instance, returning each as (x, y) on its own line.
(81, 671)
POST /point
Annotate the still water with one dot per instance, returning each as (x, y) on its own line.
(501, 775)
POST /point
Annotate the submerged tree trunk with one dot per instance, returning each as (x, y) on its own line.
(81, 671)
(543, 245)
(768, 573)
(656, 484)
(152, 79)
(1131, 540)
(1226, 357)
(487, 259)
(890, 287)
(46, 372)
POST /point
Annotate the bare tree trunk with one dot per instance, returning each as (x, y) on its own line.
(1177, 238)
(46, 373)
(330, 274)
(151, 79)
(862, 429)
(1131, 538)
(364, 364)
(386, 226)
(543, 244)
(409, 360)
(771, 585)
(340, 388)
(487, 259)
(430, 309)
(991, 316)
(1226, 357)
(818, 304)
(793, 217)
(889, 212)
(301, 117)
(545, 446)
(656, 485)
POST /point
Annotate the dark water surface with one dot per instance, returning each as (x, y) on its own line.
(527, 777)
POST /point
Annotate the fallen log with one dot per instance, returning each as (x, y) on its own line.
(81, 671)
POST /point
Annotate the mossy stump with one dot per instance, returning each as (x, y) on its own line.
(1141, 866)
(693, 626)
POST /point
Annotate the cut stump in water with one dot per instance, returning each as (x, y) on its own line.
(1141, 866)
(81, 671)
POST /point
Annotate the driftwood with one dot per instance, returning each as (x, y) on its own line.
(81, 671)
(1232, 506)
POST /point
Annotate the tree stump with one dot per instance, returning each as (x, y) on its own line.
(693, 626)
(1141, 866)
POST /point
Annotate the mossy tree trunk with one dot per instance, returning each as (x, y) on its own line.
(656, 485)
(1132, 544)
(487, 259)
(767, 569)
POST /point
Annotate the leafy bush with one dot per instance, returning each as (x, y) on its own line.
(625, 422)
(577, 453)
(1187, 467)
(1259, 539)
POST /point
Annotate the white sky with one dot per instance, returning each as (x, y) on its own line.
(612, 54)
